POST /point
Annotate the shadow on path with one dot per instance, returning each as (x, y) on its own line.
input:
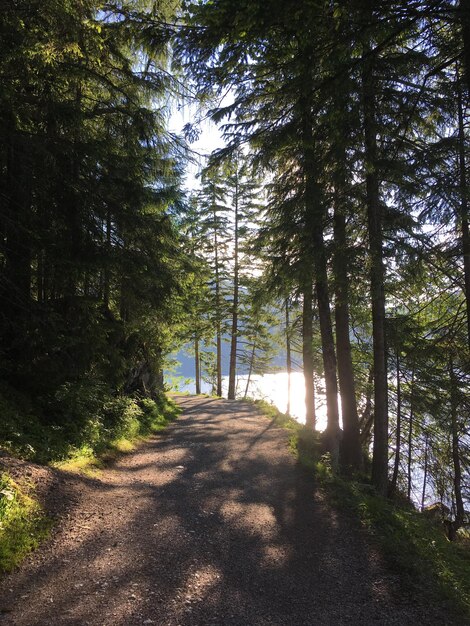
(211, 524)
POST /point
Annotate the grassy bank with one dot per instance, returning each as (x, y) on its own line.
(414, 546)
(80, 420)
(116, 428)
(140, 418)
(23, 524)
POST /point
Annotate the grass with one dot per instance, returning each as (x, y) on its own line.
(303, 443)
(23, 524)
(413, 545)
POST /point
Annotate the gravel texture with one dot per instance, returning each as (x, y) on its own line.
(211, 523)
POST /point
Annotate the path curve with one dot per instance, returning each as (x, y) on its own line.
(211, 523)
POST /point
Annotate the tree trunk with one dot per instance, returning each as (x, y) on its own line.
(315, 217)
(396, 465)
(425, 477)
(410, 434)
(457, 478)
(350, 445)
(377, 275)
(464, 10)
(107, 272)
(367, 419)
(197, 366)
(464, 204)
(250, 371)
(218, 313)
(288, 358)
(233, 343)
(307, 356)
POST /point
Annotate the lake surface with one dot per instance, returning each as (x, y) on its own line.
(270, 387)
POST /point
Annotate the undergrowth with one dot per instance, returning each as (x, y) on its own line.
(414, 546)
(112, 429)
(22, 524)
(79, 422)
(140, 418)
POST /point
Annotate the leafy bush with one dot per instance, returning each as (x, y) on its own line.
(81, 419)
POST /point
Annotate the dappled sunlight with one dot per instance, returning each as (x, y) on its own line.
(192, 534)
(253, 518)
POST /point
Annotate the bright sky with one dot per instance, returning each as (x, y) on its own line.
(209, 140)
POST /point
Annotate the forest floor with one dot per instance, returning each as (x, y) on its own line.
(210, 523)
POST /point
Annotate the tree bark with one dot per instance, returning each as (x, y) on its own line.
(315, 217)
(233, 343)
(464, 11)
(377, 276)
(425, 477)
(464, 205)
(396, 465)
(250, 371)
(367, 419)
(457, 478)
(218, 313)
(288, 358)
(410, 434)
(350, 445)
(197, 366)
(307, 356)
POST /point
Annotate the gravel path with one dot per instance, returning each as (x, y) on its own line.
(211, 523)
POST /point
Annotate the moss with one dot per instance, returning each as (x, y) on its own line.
(23, 524)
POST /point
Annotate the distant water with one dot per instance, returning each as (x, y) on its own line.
(270, 387)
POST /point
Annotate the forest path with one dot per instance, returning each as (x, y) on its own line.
(211, 523)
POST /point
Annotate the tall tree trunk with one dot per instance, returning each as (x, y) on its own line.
(288, 359)
(350, 445)
(464, 11)
(464, 204)
(236, 272)
(457, 478)
(307, 356)
(218, 313)
(367, 418)
(315, 217)
(351, 454)
(250, 371)
(107, 272)
(377, 275)
(425, 476)
(410, 434)
(396, 465)
(197, 365)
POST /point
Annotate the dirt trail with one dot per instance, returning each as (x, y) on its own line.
(212, 523)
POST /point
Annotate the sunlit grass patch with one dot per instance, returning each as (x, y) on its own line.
(303, 442)
(139, 420)
(413, 545)
(82, 461)
(22, 524)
